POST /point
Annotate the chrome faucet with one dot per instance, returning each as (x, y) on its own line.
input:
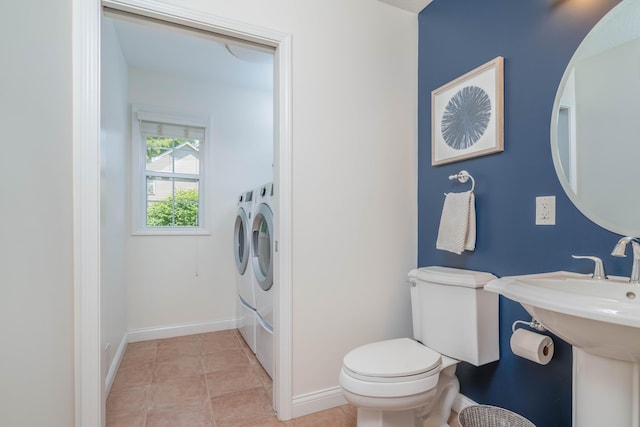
(619, 250)
(598, 268)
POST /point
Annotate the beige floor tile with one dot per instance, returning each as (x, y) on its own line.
(178, 367)
(215, 335)
(264, 377)
(243, 406)
(139, 352)
(127, 403)
(173, 350)
(267, 421)
(232, 380)
(351, 411)
(135, 421)
(224, 360)
(252, 357)
(243, 343)
(193, 415)
(183, 391)
(214, 343)
(180, 339)
(133, 375)
(180, 382)
(142, 344)
(333, 417)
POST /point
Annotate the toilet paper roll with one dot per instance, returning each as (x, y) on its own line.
(532, 346)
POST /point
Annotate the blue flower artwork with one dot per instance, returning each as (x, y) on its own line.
(466, 117)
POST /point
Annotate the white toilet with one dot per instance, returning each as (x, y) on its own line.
(406, 383)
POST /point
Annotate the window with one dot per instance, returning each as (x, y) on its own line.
(168, 159)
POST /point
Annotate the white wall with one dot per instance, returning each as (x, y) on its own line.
(36, 223)
(354, 126)
(114, 191)
(178, 280)
(354, 172)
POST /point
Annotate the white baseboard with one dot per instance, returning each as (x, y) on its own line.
(462, 402)
(115, 364)
(317, 401)
(146, 334)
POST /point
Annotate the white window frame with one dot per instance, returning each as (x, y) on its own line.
(139, 178)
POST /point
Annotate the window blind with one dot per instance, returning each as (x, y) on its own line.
(150, 128)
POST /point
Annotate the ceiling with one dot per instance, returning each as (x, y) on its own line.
(200, 56)
(191, 55)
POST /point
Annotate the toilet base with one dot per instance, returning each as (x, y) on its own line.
(433, 410)
(376, 418)
(438, 412)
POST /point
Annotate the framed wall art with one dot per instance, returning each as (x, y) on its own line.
(467, 115)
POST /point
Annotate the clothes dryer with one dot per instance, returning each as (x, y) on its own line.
(247, 316)
(262, 241)
(263, 249)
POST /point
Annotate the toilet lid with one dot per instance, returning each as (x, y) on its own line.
(400, 357)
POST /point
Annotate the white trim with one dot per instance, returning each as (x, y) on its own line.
(170, 331)
(115, 365)
(200, 20)
(317, 401)
(142, 113)
(89, 389)
(139, 173)
(86, 104)
(283, 264)
(462, 402)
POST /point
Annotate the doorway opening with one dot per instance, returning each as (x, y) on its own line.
(90, 354)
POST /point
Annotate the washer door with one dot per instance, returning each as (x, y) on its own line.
(262, 240)
(241, 241)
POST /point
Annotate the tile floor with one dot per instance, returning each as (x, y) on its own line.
(206, 380)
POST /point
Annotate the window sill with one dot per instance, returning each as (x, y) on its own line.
(170, 231)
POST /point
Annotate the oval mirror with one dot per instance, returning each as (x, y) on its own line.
(595, 130)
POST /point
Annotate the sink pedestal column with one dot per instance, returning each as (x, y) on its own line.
(606, 392)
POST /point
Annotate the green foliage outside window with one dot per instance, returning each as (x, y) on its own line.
(157, 145)
(180, 212)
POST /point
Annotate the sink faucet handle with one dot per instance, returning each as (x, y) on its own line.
(598, 270)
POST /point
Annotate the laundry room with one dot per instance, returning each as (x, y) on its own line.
(214, 99)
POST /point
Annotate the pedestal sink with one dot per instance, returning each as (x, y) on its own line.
(601, 320)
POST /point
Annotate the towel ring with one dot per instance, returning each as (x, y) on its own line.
(463, 176)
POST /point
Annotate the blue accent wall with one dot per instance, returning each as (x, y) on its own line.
(537, 39)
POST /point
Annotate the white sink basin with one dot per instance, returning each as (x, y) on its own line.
(601, 317)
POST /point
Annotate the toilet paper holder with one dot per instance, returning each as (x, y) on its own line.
(533, 324)
(531, 345)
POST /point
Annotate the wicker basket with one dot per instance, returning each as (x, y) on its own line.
(491, 416)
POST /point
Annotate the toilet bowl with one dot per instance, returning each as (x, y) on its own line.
(399, 383)
(408, 382)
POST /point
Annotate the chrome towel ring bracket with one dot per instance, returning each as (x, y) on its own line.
(463, 176)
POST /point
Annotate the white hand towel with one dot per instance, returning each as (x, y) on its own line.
(457, 230)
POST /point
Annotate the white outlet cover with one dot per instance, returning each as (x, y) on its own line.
(546, 210)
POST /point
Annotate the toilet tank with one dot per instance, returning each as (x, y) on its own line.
(454, 315)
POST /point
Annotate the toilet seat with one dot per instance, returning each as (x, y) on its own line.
(392, 360)
(392, 368)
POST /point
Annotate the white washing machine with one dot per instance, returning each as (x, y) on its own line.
(247, 315)
(262, 254)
